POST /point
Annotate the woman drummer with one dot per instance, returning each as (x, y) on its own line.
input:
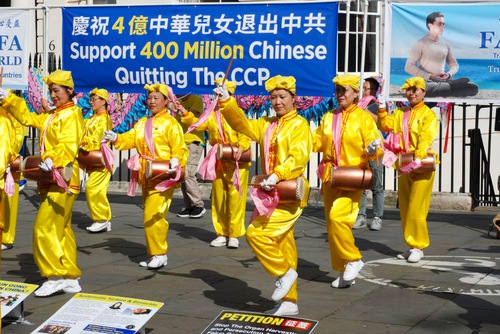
(156, 138)
(98, 176)
(229, 190)
(286, 144)
(417, 126)
(6, 156)
(347, 136)
(61, 132)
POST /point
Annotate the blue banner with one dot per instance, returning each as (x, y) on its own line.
(122, 48)
(454, 47)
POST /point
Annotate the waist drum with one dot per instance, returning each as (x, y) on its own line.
(290, 191)
(158, 170)
(225, 152)
(90, 158)
(428, 164)
(351, 178)
(32, 171)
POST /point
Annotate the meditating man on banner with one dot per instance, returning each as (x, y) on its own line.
(428, 58)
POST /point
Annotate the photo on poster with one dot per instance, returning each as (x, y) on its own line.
(454, 47)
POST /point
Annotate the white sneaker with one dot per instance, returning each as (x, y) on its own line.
(284, 284)
(5, 246)
(285, 309)
(220, 241)
(340, 283)
(98, 227)
(72, 285)
(415, 255)
(155, 262)
(360, 222)
(51, 286)
(352, 269)
(376, 224)
(233, 243)
(407, 255)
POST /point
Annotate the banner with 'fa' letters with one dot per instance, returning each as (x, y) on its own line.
(14, 48)
(122, 48)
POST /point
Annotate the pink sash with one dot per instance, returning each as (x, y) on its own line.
(336, 131)
(107, 155)
(207, 167)
(164, 185)
(205, 115)
(134, 165)
(265, 202)
(9, 184)
(366, 100)
(56, 176)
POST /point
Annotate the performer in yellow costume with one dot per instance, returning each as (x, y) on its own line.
(12, 203)
(347, 136)
(417, 127)
(228, 203)
(285, 145)
(159, 137)
(61, 132)
(98, 177)
(6, 156)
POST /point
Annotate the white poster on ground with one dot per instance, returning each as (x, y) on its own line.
(92, 313)
(12, 294)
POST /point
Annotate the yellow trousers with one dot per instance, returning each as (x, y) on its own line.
(156, 206)
(341, 210)
(273, 243)
(228, 207)
(96, 194)
(414, 195)
(10, 216)
(54, 242)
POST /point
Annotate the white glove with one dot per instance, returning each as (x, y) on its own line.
(47, 165)
(174, 162)
(110, 135)
(3, 93)
(381, 103)
(222, 92)
(270, 182)
(7, 170)
(372, 148)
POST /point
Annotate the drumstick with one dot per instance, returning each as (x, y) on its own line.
(157, 176)
(28, 170)
(227, 71)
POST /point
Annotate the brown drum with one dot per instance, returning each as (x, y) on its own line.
(428, 164)
(90, 158)
(158, 170)
(290, 191)
(32, 171)
(225, 153)
(351, 178)
(16, 165)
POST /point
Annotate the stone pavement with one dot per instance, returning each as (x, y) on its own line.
(454, 289)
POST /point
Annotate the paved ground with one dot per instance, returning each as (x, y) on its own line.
(455, 289)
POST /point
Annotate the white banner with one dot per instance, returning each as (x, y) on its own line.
(14, 43)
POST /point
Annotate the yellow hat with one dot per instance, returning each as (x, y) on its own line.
(230, 85)
(61, 78)
(102, 93)
(414, 82)
(157, 88)
(280, 82)
(347, 80)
